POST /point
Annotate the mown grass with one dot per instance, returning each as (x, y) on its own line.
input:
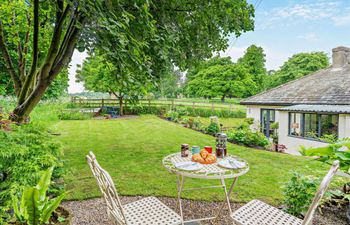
(131, 150)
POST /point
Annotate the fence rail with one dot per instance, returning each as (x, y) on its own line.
(97, 103)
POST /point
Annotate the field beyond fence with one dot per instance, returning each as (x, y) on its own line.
(169, 103)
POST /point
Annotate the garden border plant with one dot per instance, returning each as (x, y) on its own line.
(25, 152)
(243, 135)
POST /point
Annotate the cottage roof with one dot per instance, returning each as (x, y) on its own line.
(342, 109)
(329, 86)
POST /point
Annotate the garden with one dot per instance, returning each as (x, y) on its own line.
(131, 150)
(158, 136)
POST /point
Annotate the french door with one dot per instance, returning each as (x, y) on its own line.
(268, 116)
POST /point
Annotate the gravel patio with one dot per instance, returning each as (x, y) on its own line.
(93, 211)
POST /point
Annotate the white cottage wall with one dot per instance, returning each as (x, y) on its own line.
(344, 126)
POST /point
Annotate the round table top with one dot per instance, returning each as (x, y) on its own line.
(209, 171)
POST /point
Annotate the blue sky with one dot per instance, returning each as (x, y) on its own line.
(286, 27)
(282, 28)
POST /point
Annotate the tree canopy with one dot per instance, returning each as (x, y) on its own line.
(297, 66)
(230, 80)
(220, 77)
(137, 35)
(254, 60)
(100, 75)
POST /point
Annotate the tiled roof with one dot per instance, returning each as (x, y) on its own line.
(345, 109)
(329, 86)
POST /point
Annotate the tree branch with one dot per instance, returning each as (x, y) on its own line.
(33, 69)
(22, 75)
(70, 46)
(8, 61)
(67, 37)
(19, 48)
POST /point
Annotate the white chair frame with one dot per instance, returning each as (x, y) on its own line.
(257, 212)
(147, 211)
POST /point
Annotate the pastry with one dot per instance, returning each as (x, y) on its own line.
(204, 153)
(197, 158)
(210, 159)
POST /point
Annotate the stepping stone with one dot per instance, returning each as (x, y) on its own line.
(193, 223)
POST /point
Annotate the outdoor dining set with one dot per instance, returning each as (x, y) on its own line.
(205, 165)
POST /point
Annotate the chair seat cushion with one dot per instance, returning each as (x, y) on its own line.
(259, 213)
(150, 211)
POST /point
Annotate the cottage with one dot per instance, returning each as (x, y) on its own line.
(309, 109)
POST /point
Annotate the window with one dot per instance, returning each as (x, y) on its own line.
(311, 128)
(267, 118)
(294, 124)
(312, 125)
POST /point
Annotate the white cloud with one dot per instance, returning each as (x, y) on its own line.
(309, 37)
(343, 19)
(298, 13)
(77, 58)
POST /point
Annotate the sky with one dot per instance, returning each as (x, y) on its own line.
(282, 28)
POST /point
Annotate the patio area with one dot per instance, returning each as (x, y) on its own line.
(93, 211)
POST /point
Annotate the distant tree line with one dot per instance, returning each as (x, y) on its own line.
(220, 77)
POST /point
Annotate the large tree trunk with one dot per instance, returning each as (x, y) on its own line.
(21, 112)
(121, 109)
(223, 98)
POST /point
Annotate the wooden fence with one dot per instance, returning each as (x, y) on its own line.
(173, 103)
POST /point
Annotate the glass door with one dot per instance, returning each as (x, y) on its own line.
(267, 117)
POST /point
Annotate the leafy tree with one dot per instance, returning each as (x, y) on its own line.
(170, 84)
(254, 60)
(203, 65)
(297, 66)
(98, 74)
(138, 36)
(59, 86)
(231, 80)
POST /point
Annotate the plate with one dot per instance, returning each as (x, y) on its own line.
(188, 166)
(231, 164)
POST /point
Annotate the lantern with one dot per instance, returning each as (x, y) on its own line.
(221, 140)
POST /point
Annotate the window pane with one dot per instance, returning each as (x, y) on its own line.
(263, 120)
(295, 124)
(311, 125)
(329, 125)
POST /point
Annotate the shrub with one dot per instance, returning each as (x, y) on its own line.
(298, 193)
(140, 110)
(246, 136)
(213, 128)
(206, 112)
(338, 151)
(173, 115)
(24, 153)
(74, 115)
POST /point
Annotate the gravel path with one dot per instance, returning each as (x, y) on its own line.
(93, 211)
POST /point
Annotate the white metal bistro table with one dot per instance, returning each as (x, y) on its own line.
(208, 172)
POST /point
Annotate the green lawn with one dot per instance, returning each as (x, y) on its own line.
(131, 150)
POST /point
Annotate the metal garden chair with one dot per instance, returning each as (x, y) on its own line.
(259, 213)
(147, 211)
